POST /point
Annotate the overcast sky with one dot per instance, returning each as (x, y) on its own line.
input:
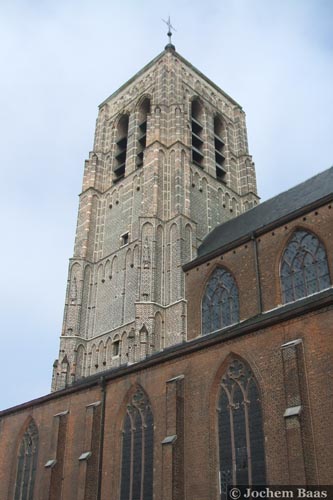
(60, 59)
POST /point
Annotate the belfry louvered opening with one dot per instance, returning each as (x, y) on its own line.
(219, 149)
(121, 148)
(197, 133)
(144, 111)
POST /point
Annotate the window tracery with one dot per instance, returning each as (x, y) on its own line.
(137, 449)
(26, 464)
(240, 429)
(304, 268)
(220, 304)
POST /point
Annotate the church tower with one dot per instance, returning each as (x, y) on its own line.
(170, 162)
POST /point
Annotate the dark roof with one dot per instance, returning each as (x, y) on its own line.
(267, 213)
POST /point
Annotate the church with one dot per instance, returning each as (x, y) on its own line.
(196, 351)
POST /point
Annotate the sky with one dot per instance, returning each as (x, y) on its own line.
(60, 60)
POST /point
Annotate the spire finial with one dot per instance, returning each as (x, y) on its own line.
(169, 34)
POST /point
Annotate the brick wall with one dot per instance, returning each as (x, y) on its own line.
(201, 365)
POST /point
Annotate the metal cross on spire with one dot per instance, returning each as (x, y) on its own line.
(170, 27)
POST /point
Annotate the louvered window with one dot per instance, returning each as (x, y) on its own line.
(142, 138)
(219, 149)
(197, 133)
(121, 149)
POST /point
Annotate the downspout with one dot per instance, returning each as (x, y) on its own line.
(256, 261)
(101, 447)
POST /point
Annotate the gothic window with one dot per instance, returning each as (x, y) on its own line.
(121, 148)
(220, 304)
(137, 450)
(219, 149)
(144, 111)
(240, 429)
(80, 362)
(197, 132)
(304, 268)
(26, 464)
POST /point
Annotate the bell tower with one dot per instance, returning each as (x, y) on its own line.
(170, 162)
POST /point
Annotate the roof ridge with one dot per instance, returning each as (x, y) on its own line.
(268, 212)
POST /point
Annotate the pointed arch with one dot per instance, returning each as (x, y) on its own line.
(197, 129)
(174, 271)
(86, 298)
(124, 349)
(188, 243)
(143, 334)
(27, 463)
(159, 259)
(116, 346)
(304, 266)
(137, 448)
(220, 302)
(159, 335)
(219, 143)
(121, 147)
(108, 352)
(241, 452)
(100, 274)
(144, 108)
(234, 205)
(114, 266)
(80, 361)
(173, 182)
(100, 355)
(107, 269)
(227, 201)
(94, 359)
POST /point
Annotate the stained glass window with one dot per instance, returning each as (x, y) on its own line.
(304, 268)
(220, 304)
(241, 438)
(26, 464)
(137, 450)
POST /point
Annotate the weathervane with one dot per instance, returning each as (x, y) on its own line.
(170, 27)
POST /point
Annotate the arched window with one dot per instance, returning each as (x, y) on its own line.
(137, 449)
(144, 111)
(80, 362)
(219, 147)
(26, 464)
(240, 429)
(220, 304)
(304, 268)
(121, 148)
(197, 132)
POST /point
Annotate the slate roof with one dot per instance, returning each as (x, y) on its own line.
(273, 210)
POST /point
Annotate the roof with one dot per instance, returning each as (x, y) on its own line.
(183, 60)
(265, 214)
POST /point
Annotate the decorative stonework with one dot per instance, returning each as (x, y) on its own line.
(144, 185)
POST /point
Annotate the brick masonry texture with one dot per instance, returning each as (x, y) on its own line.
(202, 370)
(133, 293)
(133, 316)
